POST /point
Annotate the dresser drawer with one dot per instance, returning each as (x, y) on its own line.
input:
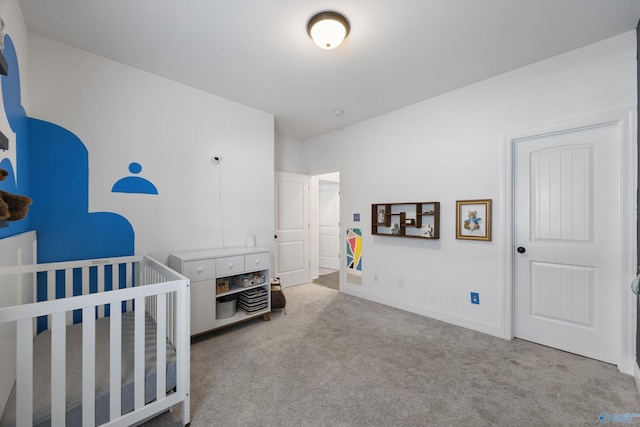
(256, 262)
(229, 265)
(199, 269)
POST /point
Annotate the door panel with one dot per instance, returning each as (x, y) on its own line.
(292, 228)
(291, 257)
(563, 293)
(566, 220)
(329, 225)
(561, 188)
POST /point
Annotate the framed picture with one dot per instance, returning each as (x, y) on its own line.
(473, 219)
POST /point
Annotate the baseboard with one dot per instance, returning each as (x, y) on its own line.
(486, 328)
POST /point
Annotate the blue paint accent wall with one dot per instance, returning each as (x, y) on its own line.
(59, 176)
(134, 184)
(18, 122)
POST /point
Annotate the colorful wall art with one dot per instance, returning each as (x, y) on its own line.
(354, 255)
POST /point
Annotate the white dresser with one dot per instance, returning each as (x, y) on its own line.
(245, 269)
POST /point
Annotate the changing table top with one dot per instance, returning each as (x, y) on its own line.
(217, 252)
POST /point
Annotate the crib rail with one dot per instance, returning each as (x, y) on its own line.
(152, 288)
(151, 271)
(72, 278)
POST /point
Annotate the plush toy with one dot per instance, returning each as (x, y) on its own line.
(395, 229)
(17, 206)
(473, 222)
(13, 207)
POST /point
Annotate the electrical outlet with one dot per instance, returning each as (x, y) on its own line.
(475, 298)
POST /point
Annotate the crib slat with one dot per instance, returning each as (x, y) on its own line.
(24, 366)
(115, 277)
(68, 291)
(88, 367)
(129, 283)
(58, 368)
(51, 285)
(100, 290)
(161, 348)
(138, 364)
(169, 318)
(51, 290)
(115, 349)
(85, 281)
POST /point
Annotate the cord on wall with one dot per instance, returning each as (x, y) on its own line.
(217, 161)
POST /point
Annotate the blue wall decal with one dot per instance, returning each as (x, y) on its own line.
(134, 184)
(56, 168)
(59, 165)
(17, 118)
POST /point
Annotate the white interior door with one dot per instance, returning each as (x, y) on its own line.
(566, 234)
(329, 225)
(292, 228)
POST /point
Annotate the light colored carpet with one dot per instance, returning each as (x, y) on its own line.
(330, 280)
(337, 360)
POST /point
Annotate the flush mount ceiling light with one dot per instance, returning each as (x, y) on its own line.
(328, 29)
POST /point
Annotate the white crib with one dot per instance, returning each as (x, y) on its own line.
(103, 369)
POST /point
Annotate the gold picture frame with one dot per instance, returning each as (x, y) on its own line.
(473, 219)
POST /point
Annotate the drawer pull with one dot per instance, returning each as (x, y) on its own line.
(257, 261)
(200, 270)
(230, 265)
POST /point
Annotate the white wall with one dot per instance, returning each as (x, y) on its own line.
(123, 115)
(288, 155)
(450, 148)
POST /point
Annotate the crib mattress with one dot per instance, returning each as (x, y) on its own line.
(42, 372)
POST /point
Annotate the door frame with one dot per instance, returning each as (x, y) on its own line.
(314, 180)
(626, 123)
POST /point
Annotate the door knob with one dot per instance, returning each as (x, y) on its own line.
(635, 285)
(521, 250)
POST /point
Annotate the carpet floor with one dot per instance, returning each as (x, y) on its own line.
(338, 360)
(331, 280)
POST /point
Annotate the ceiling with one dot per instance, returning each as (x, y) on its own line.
(257, 52)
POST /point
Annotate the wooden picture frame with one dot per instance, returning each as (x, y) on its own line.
(473, 219)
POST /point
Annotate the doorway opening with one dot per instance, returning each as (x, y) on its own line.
(325, 229)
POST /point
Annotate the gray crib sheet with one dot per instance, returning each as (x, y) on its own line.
(42, 372)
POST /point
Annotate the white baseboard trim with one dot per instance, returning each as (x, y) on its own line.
(486, 328)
